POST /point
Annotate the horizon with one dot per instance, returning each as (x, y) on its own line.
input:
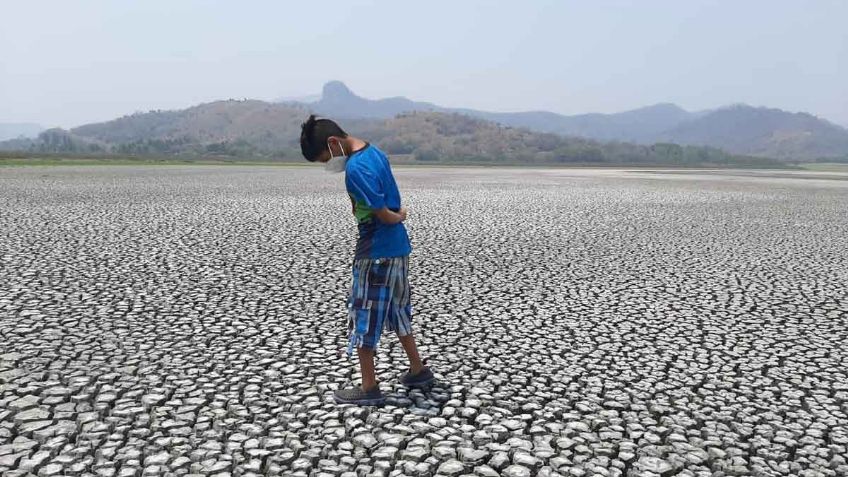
(102, 62)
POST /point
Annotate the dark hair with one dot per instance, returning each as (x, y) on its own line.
(313, 136)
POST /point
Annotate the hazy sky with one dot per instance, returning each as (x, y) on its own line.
(65, 63)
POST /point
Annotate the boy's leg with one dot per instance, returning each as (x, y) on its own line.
(402, 323)
(365, 321)
(366, 367)
(408, 343)
(419, 375)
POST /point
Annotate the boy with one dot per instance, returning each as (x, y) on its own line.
(379, 296)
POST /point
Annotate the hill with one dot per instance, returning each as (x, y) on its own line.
(763, 132)
(232, 127)
(453, 137)
(741, 129)
(260, 129)
(639, 125)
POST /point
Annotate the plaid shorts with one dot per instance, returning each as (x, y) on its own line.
(379, 298)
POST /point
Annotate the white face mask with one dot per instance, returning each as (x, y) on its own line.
(336, 163)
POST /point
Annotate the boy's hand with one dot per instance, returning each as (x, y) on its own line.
(389, 216)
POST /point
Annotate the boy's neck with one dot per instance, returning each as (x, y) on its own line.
(353, 144)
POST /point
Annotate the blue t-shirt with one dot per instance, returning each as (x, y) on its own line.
(371, 185)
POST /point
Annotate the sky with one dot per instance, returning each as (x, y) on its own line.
(67, 63)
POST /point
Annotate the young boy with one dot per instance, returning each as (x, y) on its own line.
(379, 296)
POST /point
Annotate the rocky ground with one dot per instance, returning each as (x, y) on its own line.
(188, 320)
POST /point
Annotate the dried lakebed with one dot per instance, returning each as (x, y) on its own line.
(188, 320)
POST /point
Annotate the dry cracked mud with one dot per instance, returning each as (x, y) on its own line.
(188, 320)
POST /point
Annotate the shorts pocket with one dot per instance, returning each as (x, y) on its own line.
(360, 316)
(378, 274)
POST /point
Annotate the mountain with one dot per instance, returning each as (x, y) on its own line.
(250, 127)
(258, 129)
(231, 127)
(739, 129)
(338, 101)
(639, 125)
(454, 137)
(18, 130)
(763, 132)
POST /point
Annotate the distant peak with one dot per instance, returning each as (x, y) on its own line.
(336, 90)
(737, 107)
(663, 107)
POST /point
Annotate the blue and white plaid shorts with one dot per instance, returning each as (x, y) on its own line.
(379, 298)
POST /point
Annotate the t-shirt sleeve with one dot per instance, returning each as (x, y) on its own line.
(365, 186)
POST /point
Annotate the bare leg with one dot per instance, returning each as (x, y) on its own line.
(366, 367)
(408, 343)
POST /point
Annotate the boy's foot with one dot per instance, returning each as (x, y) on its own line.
(356, 395)
(423, 378)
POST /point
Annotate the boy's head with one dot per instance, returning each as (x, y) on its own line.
(317, 136)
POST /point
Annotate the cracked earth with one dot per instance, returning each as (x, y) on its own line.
(188, 320)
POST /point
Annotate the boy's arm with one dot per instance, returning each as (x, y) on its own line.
(390, 217)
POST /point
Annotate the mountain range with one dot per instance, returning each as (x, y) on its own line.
(740, 129)
(257, 129)
(658, 134)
